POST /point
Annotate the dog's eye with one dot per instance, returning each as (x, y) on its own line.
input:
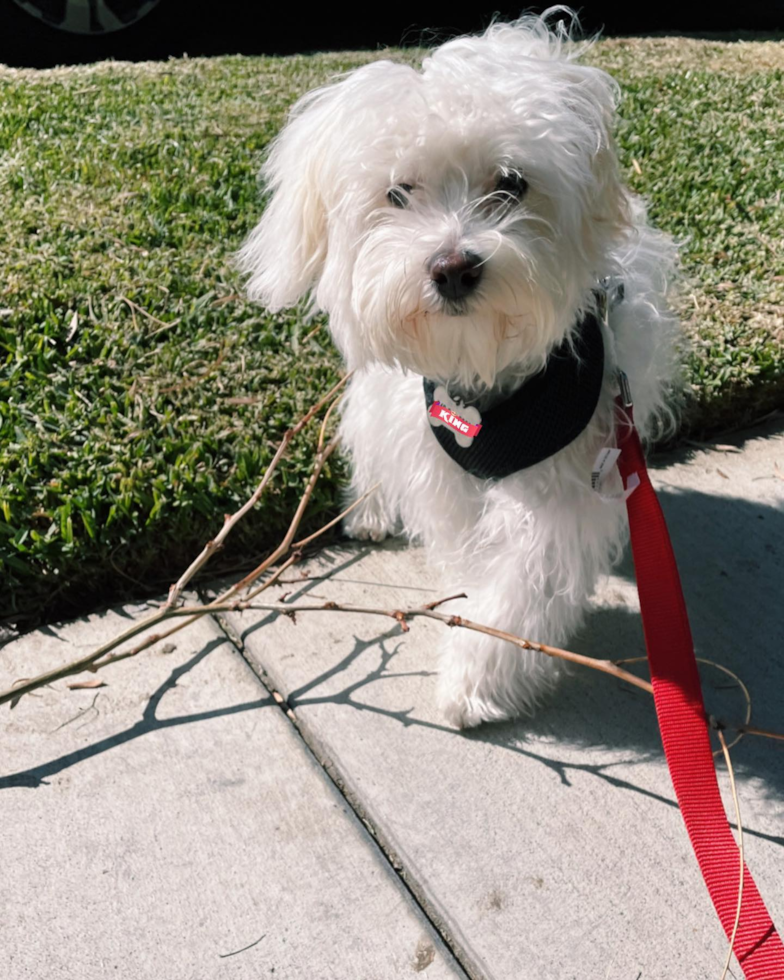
(512, 184)
(398, 196)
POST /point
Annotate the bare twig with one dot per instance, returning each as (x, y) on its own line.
(79, 714)
(217, 542)
(224, 603)
(139, 309)
(223, 956)
(764, 732)
(428, 611)
(731, 673)
(95, 660)
(403, 615)
(440, 602)
(98, 658)
(741, 730)
(335, 520)
(104, 655)
(726, 751)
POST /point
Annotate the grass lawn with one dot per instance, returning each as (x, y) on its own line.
(141, 397)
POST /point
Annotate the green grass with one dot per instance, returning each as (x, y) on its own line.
(125, 436)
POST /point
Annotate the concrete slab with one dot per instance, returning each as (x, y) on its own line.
(553, 849)
(172, 825)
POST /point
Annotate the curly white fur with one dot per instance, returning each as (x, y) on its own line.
(528, 548)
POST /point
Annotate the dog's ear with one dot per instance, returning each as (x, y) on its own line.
(589, 96)
(608, 213)
(538, 64)
(311, 173)
(285, 253)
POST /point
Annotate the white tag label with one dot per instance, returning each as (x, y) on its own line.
(604, 462)
(603, 466)
(463, 422)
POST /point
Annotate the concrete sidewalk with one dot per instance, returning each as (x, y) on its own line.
(178, 824)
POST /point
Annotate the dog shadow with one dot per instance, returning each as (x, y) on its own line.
(730, 552)
(732, 575)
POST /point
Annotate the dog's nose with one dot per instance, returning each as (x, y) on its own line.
(456, 274)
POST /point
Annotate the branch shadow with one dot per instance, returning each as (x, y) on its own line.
(37, 776)
(625, 715)
(727, 578)
(308, 585)
(731, 571)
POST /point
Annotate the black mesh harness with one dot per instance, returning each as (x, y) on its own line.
(541, 417)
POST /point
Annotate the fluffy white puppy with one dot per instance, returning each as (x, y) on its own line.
(455, 223)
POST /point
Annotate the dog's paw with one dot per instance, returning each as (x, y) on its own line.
(364, 530)
(483, 681)
(463, 710)
(366, 533)
(461, 714)
(368, 522)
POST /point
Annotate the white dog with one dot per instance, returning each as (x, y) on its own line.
(456, 223)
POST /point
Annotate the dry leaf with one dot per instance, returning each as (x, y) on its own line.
(74, 327)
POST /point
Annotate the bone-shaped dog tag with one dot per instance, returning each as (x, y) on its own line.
(463, 422)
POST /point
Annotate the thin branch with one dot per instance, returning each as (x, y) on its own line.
(163, 324)
(89, 662)
(403, 615)
(428, 611)
(104, 656)
(764, 732)
(440, 602)
(741, 730)
(221, 604)
(326, 419)
(206, 609)
(735, 800)
(313, 332)
(223, 956)
(217, 542)
(336, 520)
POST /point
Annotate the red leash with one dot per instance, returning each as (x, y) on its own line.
(682, 719)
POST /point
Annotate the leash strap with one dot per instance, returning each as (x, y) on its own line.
(682, 719)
